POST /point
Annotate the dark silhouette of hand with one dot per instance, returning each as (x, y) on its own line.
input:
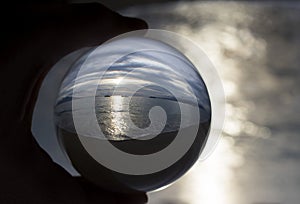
(33, 38)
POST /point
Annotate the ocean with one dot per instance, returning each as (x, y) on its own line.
(114, 114)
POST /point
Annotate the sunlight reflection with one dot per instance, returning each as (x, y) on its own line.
(212, 180)
(117, 121)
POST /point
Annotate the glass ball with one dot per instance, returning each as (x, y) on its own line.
(143, 93)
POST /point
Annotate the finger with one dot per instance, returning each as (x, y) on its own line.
(132, 198)
(29, 175)
(96, 194)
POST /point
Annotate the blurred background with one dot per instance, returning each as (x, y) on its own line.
(255, 46)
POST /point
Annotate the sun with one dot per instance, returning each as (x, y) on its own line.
(117, 80)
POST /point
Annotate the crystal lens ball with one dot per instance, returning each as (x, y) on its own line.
(122, 106)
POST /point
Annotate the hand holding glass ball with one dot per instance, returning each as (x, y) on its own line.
(144, 101)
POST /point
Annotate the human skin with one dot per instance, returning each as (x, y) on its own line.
(33, 38)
